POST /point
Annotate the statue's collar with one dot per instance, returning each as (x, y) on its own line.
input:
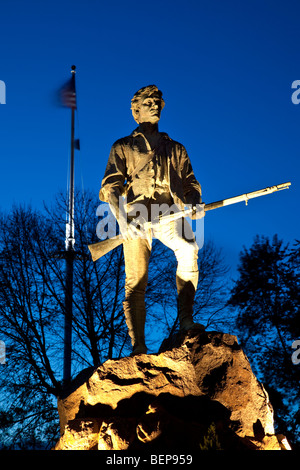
(137, 132)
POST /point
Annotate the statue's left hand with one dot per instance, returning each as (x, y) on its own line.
(198, 211)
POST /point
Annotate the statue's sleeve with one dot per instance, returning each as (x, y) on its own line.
(115, 173)
(191, 187)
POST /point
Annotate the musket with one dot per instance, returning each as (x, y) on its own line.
(101, 248)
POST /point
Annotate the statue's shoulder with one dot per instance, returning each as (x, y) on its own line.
(123, 141)
(173, 143)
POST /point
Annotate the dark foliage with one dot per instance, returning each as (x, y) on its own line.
(267, 295)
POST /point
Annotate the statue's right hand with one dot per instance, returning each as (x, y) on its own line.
(130, 230)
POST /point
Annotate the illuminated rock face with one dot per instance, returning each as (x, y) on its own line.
(199, 384)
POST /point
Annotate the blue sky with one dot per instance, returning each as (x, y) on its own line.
(225, 69)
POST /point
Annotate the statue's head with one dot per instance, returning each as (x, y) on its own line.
(146, 104)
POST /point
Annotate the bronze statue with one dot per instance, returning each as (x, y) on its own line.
(148, 168)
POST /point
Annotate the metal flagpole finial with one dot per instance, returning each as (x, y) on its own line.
(73, 69)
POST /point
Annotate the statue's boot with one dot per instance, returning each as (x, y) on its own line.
(135, 316)
(186, 295)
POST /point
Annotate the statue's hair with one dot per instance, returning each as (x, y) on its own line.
(140, 95)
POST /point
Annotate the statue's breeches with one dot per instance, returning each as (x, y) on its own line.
(177, 236)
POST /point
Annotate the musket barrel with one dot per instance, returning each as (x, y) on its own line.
(245, 197)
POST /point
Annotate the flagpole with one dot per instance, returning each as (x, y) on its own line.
(70, 255)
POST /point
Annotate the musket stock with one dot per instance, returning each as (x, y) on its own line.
(105, 246)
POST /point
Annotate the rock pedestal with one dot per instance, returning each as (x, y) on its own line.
(198, 392)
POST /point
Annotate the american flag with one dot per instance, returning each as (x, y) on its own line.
(68, 93)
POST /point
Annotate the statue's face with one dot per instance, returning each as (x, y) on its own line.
(150, 109)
